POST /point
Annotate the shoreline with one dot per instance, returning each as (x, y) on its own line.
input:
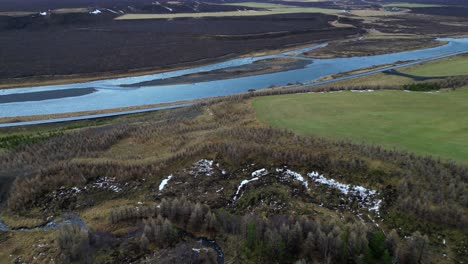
(37, 81)
(19, 119)
(46, 80)
(141, 108)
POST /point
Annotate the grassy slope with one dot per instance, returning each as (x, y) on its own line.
(433, 124)
(447, 67)
(453, 66)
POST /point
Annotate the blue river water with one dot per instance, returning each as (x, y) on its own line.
(111, 94)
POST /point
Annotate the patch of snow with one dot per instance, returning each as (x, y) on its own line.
(168, 8)
(95, 12)
(164, 182)
(107, 183)
(367, 197)
(222, 188)
(43, 13)
(295, 175)
(196, 250)
(362, 91)
(260, 172)
(242, 184)
(203, 166)
(443, 241)
(115, 188)
(76, 189)
(112, 11)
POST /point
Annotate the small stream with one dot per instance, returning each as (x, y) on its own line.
(213, 245)
(209, 244)
(111, 93)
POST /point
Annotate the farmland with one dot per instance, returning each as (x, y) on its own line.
(265, 9)
(394, 119)
(447, 67)
(440, 69)
(164, 43)
(262, 163)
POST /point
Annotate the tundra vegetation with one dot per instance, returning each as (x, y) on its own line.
(236, 180)
(252, 188)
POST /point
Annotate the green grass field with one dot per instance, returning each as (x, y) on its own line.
(452, 66)
(270, 9)
(423, 123)
(410, 5)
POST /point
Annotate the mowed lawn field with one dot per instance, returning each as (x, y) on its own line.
(433, 124)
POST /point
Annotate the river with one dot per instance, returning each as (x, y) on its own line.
(111, 93)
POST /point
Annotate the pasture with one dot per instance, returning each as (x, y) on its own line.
(433, 124)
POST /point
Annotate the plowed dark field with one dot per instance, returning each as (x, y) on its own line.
(83, 44)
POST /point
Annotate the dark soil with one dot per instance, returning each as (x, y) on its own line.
(256, 68)
(45, 95)
(420, 24)
(442, 11)
(435, 2)
(369, 47)
(118, 46)
(127, 6)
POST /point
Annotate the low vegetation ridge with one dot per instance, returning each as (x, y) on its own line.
(343, 201)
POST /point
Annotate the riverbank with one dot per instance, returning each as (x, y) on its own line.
(256, 68)
(77, 115)
(144, 108)
(371, 46)
(80, 78)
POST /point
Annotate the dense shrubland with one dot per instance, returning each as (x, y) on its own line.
(276, 239)
(421, 194)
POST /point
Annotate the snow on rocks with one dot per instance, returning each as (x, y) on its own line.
(107, 183)
(256, 176)
(367, 197)
(259, 173)
(362, 91)
(168, 8)
(242, 184)
(112, 11)
(294, 175)
(43, 13)
(164, 182)
(203, 166)
(95, 12)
